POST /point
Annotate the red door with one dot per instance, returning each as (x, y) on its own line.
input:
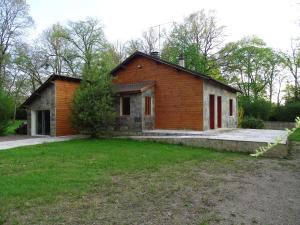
(219, 104)
(211, 111)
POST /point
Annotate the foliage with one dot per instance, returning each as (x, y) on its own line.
(197, 38)
(291, 93)
(241, 114)
(252, 123)
(21, 128)
(14, 21)
(12, 126)
(93, 107)
(287, 112)
(255, 107)
(295, 136)
(250, 65)
(262, 150)
(291, 60)
(6, 111)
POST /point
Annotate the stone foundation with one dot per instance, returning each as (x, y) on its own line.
(279, 151)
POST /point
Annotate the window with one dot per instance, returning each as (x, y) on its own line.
(230, 107)
(125, 104)
(147, 106)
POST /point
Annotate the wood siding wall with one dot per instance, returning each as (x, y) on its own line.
(64, 92)
(178, 95)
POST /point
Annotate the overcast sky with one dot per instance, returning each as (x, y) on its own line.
(273, 20)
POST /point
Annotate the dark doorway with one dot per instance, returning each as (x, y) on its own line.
(211, 111)
(219, 108)
(43, 122)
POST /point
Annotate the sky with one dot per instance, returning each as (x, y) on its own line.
(275, 21)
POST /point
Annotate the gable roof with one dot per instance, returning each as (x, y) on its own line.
(49, 81)
(175, 66)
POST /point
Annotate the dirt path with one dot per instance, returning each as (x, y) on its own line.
(269, 195)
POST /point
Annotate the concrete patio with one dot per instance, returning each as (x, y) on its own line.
(256, 135)
(236, 140)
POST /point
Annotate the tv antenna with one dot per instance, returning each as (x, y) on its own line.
(159, 32)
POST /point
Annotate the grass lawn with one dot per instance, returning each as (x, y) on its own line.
(38, 184)
(12, 126)
(295, 136)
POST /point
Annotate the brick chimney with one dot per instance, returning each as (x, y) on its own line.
(181, 61)
(154, 54)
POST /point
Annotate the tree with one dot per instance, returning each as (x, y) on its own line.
(6, 110)
(87, 40)
(198, 38)
(274, 69)
(14, 20)
(31, 63)
(250, 65)
(93, 107)
(291, 60)
(147, 43)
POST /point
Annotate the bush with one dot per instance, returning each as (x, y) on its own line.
(22, 128)
(258, 108)
(253, 123)
(21, 114)
(286, 112)
(93, 107)
(6, 111)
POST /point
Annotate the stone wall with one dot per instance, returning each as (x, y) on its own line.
(278, 125)
(227, 121)
(132, 122)
(148, 121)
(279, 151)
(137, 120)
(45, 101)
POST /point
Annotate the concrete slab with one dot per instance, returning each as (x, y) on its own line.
(254, 135)
(37, 140)
(235, 140)
(16, 137)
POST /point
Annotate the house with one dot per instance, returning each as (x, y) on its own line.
(151, 94)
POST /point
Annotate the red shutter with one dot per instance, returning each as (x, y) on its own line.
(219, 109)
(147, 105)
(230, 107)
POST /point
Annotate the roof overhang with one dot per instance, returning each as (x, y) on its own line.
(133, 88)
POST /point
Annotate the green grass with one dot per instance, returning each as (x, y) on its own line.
(42, 174)
(295, 136)
(12, 126)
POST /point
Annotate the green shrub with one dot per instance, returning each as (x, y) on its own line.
(286, 112)
(93, 107)
(252, 122)
(258, 108)
(6, 111)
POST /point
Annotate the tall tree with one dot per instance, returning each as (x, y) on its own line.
(87, 39)
(198, 37)
(14, 20)
(147, 43)
(291, 60)
(250, 65)
(274, 69)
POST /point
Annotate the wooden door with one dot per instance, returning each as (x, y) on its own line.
(212, 111)
(219, 108)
